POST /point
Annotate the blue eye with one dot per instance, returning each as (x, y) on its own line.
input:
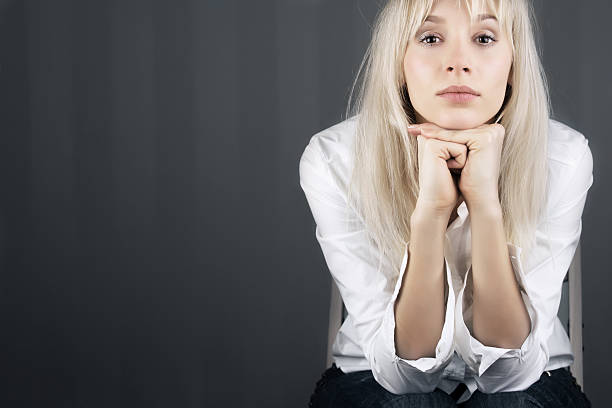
(424, 41)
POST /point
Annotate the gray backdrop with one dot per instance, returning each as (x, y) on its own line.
(156, 249)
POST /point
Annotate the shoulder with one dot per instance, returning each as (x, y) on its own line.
(570, 162)
(566, 146)
(335, 142)
(330, 151)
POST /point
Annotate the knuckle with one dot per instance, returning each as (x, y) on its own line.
(426, 141)
(501, 130)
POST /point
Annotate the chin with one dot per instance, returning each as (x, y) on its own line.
(459, 123)
(456, 119)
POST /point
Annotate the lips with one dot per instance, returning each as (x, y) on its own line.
(458, 89)
(458, 97)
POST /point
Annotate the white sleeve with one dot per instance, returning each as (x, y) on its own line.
(540, 279)
(368, 289)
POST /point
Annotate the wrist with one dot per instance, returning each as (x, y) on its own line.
(488, 208)
(424, 214)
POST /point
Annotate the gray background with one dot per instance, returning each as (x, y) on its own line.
(156, 249)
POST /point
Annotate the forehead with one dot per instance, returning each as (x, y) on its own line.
(438, 11)
(439, 19)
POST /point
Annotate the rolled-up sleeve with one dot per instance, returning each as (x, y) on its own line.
(369, 288)
(540, 275)
(400, 375)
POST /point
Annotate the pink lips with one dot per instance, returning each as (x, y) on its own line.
(458, 97)
(458, 93)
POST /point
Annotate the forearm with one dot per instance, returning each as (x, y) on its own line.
(420, 305)
(500, 318)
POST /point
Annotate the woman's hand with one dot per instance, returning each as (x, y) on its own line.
(438, 190)
(478, 181)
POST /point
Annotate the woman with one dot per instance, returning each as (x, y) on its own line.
(448, 209)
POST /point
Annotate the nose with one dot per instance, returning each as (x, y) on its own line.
(452, 68)
(458, 59)
(459, 63)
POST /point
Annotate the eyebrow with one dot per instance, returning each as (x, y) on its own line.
(438, 19)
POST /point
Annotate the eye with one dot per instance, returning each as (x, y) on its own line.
(489, 40)
(488, 37)
(425, 37)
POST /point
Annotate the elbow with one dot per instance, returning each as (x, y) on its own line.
(505, 342)
(506, 336)
(516, 343)
(513, 373)
(399, 380)
(416, 354)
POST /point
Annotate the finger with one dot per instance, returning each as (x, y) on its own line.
(420, 140)
(467, 136)
(414, 131)
(426, 126)
(455, 154)
(454, 164)
(417, 127)
(447, 135)
(458, 153)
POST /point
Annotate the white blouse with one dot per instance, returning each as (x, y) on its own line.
(366, 339)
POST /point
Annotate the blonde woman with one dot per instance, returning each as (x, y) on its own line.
(448, 208)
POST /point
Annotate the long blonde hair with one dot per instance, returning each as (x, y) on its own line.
(384, 184)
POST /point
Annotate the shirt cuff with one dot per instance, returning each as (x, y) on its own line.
(480, 357)
(444, 347)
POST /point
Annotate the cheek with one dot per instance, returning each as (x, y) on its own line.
(416, 71)
(500, 67)
(498, 78)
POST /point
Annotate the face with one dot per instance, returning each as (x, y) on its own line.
(446, 51)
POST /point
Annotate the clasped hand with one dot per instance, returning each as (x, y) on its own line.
(478, 164)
